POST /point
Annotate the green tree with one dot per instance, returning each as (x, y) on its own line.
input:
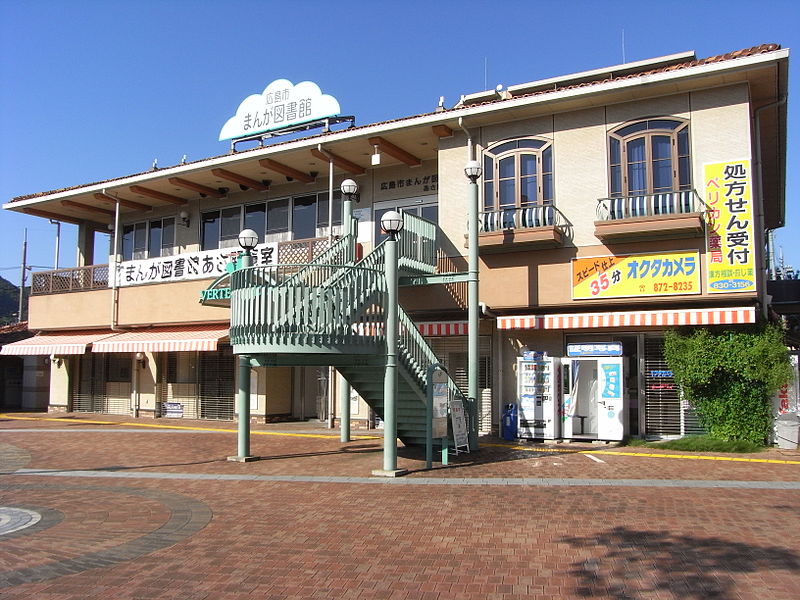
(730, 377)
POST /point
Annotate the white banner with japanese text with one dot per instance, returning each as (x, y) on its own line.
(207, 264)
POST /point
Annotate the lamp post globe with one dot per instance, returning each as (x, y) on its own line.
(349, 187)
(392, 222)
(248, 239)
(473, 170)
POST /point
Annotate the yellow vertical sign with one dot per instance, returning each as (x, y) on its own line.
(730, 232)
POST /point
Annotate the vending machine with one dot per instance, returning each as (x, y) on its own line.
(538, 395)
(594, 405)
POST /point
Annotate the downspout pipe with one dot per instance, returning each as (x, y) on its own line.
(760, 205)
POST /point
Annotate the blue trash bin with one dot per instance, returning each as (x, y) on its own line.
(509, 426)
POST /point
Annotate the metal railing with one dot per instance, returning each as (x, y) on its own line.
(528, 217)
(417, 244)
(649, 205)
(92, 277)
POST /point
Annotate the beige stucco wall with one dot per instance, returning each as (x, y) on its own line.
(60, 383)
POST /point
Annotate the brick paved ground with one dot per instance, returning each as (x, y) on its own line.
(147, 513)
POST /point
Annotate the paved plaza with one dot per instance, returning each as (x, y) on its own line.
(95, 506)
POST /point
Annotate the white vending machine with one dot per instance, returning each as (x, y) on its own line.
(594, 403)
(538, 395)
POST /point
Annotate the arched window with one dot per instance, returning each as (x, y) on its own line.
(649, 157)
(518, 174)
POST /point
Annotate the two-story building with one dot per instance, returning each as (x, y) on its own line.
(614, 204)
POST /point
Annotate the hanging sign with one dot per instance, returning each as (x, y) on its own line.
(281, 104)
(633, 275)
(730, 241)
(187, 266)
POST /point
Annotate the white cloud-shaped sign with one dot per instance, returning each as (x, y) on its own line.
(281, 104)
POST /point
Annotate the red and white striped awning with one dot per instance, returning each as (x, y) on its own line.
(641, 318)
(58, 343)
(196, 338)
(442, 328)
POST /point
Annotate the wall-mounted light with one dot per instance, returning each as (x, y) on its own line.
(376, 157)
(184, 218)
(141, 359)
(56, 360)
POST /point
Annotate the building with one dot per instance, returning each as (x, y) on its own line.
(614, 203)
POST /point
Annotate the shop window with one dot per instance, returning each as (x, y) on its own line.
(148, 239)
(649, 157)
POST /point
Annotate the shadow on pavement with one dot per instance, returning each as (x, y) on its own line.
(645, 564)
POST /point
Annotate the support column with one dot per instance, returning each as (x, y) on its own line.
(344, 409)
(85, 255)
(473, 315)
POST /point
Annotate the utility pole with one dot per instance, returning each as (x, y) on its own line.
(22, 274)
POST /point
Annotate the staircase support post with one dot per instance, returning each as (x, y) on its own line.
(344, 409)
(473, 315)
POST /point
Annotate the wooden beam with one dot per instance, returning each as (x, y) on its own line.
(138, 189)
(240, 179)
(197, 187)
(89, 207)
(286, 170)
(127, 203)
(50, 215)
(395, 151)
(340, 162)
(442, 131)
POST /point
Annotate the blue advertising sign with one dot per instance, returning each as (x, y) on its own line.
(601, 349)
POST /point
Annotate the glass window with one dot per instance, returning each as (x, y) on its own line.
(255, 218)
(649, 157)
(516, 174)
(304, 218)
(322, 208)
(230, 226)
(167, 236)
(154, 240)
(209, 230)
(278, 216)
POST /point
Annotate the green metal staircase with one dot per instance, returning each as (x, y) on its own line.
(332, 312)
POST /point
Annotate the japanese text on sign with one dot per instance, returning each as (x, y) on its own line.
(663, 274)
(183, 267)
(730, 240)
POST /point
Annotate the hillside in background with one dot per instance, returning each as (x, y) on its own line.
(9, 301)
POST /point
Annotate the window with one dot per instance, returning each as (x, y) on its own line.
(649, 157)
(298, 218)
(518, 174)
(148, 239)
(414, 206)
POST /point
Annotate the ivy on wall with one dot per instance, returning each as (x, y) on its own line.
(730, 377)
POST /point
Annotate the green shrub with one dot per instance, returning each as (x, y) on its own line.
(729, 377)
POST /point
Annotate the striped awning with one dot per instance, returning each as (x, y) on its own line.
(58, 343)
(443, 328)
(641, 318)
(196, 338)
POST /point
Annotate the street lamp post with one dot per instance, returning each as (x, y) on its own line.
(349, 189)
(392, 224)
(473, 171)
(248, 239)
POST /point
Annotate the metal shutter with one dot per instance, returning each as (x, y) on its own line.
(666, 415)
(92, 392)
(216, 382)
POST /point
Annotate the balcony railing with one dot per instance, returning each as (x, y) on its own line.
(675, 214)
(514, 228)
(649, 205)
(520, 218)
(93, 277)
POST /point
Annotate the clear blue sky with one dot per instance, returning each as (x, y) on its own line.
(92, 90)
